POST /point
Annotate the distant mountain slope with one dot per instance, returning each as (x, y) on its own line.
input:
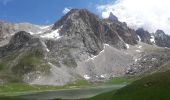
(152, 87)
(22, 60)
(7, 30)
(161, 39)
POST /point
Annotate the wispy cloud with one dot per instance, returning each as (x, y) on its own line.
(5, 2)
(66, 10)
(149, 14)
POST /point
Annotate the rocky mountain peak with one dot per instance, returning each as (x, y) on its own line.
(160, 33)
(113, 17)
(63, 19)
(19, 40)
(82, 24)
(162, 39)
(75, 15)
(21, 37)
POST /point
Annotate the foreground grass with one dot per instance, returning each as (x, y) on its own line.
(10, 98)
(153, 87)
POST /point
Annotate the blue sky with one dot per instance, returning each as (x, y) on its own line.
(42, 11)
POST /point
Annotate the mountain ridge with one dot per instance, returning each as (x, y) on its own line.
(80, 46)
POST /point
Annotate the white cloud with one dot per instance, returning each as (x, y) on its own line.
(149, 14)
(66, 10)
(5, 2)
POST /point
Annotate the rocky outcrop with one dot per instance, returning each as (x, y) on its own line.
(89, 26)
(126, 34)
(149, 63)
(113, 17)
(144, 35)
(20, 40)
(162, 39)
(23, 58)
(7, 30)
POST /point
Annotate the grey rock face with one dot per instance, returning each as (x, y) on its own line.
(158, 38)
(149, 62)
(144, 35)
(128, 35)
(7, 30)
(89, 26)
(19, 41)
(162, 39)
(113, 17)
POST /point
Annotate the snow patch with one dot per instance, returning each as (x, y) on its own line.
(106, 45)
(54, 34)
(138, 51)
(139, 46)
(92, 58)
(139, 38)
(153, 59)
(39, 32)
(50, 64)
(45, 47)
(45, 27)
(87, 77)
(31, 32)
(136, 60)
(103, 76)
(47, 50)
(152, 39)
(127, 45)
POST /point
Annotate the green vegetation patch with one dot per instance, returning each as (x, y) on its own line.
(5, 62)
(14, 89)
(14, 66)
(120, 80)
(79, 83)
(152, 87)
(30, 63)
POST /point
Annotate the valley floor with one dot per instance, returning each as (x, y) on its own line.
(78, 90)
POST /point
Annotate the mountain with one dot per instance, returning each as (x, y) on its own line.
(145, 36)
(161, 39)
(113, 17)
(9, 29)
(79, 46)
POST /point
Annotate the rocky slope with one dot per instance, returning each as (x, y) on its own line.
(7, 30)
(78, 46)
